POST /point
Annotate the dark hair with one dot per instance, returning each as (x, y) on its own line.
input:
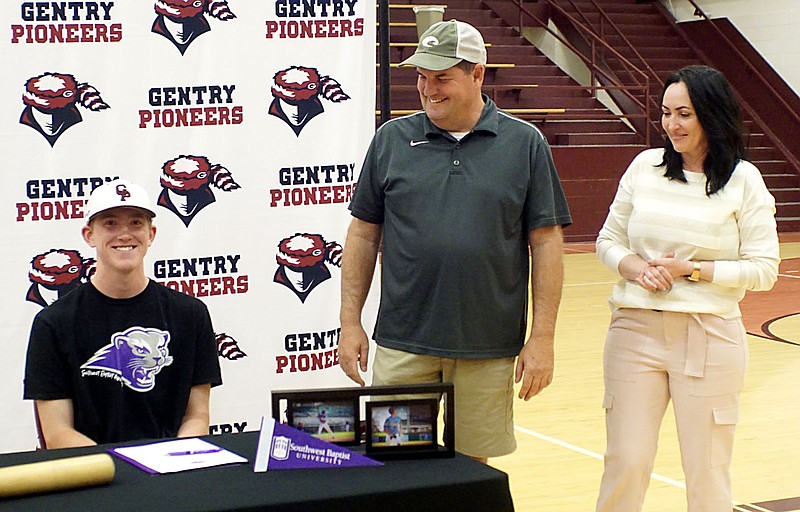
(719, 115)
(466, 66)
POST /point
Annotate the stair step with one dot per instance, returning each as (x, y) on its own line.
(550, 80)
(588, 125)
(533, 92)
(642, 41)
(755, 139)
(595, 139)
(757, 154)
(788, 224)
(477, 17)
(781, 180)
(785, 195)
(527, 72)
(668, 64)
(655, 52)
(492, 34)
(621, 19)
(618, 7)
(772, 166)
(647, 29)
(511, 52)
(788, 209)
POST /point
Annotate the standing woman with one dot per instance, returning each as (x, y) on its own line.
(692, 227)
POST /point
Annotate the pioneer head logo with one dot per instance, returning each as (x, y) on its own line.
(56, 272)
(186, 182)
(296, 92)
(302, 262)
(51, 102)
(183, 21)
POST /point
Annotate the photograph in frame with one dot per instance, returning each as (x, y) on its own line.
(334, 420)
(400, 426)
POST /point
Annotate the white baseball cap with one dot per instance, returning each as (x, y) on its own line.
(115, 194)
(447, 43)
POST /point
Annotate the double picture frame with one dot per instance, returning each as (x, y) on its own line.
(388, 422)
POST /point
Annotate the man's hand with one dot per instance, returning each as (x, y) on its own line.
(353, 352)
(534, 368)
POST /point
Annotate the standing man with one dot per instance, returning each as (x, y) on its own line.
(455, 196)
(121, 357)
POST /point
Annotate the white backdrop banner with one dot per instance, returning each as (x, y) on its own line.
(246, 121)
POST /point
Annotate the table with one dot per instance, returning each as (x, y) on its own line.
(443, 484)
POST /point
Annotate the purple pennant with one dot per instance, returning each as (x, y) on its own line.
(283, 447)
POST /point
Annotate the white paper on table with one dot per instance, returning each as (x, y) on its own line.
(176, 455)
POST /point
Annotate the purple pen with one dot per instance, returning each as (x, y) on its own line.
(194, 452)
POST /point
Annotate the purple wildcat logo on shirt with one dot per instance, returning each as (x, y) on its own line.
(133, 357)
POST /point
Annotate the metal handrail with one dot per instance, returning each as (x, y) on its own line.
(591, 62)
(569, 45)
(625, 39)
(649, 99)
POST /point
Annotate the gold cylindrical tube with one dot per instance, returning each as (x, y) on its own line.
(56, 475)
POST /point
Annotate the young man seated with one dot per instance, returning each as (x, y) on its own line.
(121, 357)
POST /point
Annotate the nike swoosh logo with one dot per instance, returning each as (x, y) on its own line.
(417, 142)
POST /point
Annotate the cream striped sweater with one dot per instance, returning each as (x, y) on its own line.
(652, 216)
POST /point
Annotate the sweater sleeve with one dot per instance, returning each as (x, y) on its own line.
(612, 242)
(759, 254)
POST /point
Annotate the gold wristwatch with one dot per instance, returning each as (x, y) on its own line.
(695, 275)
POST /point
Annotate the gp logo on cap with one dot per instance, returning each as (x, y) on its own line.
(122, 192)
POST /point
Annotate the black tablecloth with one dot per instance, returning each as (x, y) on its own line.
(444, 484)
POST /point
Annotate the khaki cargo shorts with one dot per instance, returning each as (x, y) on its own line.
(484, 395)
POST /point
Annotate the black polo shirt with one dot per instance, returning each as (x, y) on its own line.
(456, 217)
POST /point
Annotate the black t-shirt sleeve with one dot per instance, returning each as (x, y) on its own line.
(206, 369)
(46, 372)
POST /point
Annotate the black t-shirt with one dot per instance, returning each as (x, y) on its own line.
(127, 364)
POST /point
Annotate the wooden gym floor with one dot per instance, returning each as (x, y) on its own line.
(561, 433)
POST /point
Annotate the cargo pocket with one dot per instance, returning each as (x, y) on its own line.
(725, 420)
